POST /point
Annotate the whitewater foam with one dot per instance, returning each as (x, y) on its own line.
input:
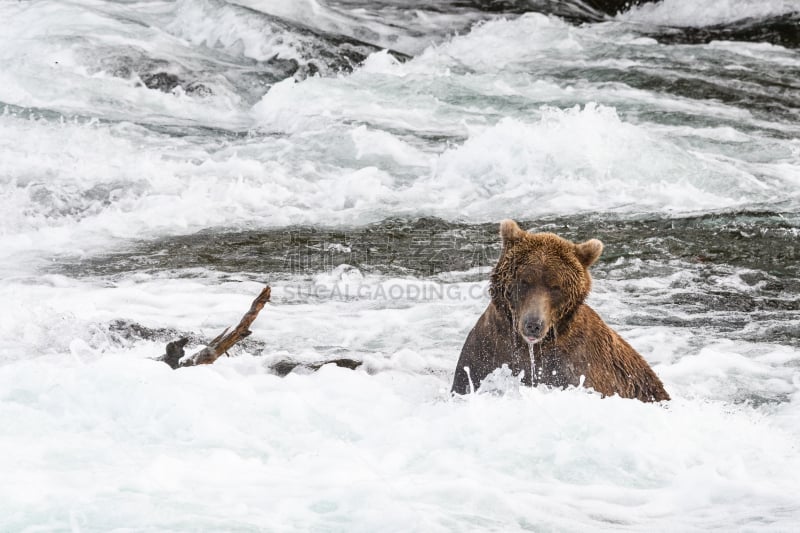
(102, 75)
(565, 161)
(693, 14)
(585, 160)
(234, 430)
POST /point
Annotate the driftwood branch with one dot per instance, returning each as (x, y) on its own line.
(175, 354)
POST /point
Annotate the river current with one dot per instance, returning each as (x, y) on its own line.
(160, 161)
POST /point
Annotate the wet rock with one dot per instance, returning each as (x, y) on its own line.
(783, 30)
(572, 10)
(161, 81)
(284, 367)
(198, 89)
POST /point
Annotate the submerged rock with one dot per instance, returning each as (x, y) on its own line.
(284, 367)
(572, 10)
(782, 30)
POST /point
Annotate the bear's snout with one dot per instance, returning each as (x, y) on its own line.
(533, 328)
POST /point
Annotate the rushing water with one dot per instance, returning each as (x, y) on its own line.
(161, 160)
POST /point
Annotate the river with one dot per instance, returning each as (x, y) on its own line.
(160, 161)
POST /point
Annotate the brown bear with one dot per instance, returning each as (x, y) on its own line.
(537, 292)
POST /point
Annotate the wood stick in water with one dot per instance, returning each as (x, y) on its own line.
(175, 354)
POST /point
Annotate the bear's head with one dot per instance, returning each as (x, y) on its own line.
(540, 279)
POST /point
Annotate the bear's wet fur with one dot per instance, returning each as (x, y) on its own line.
(538, 288)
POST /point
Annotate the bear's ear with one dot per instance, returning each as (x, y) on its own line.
(510, 232)
(588, 252)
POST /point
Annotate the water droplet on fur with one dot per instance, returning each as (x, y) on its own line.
(533, 363)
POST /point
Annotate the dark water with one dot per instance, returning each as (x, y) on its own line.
(761, 250)
(763, 241)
